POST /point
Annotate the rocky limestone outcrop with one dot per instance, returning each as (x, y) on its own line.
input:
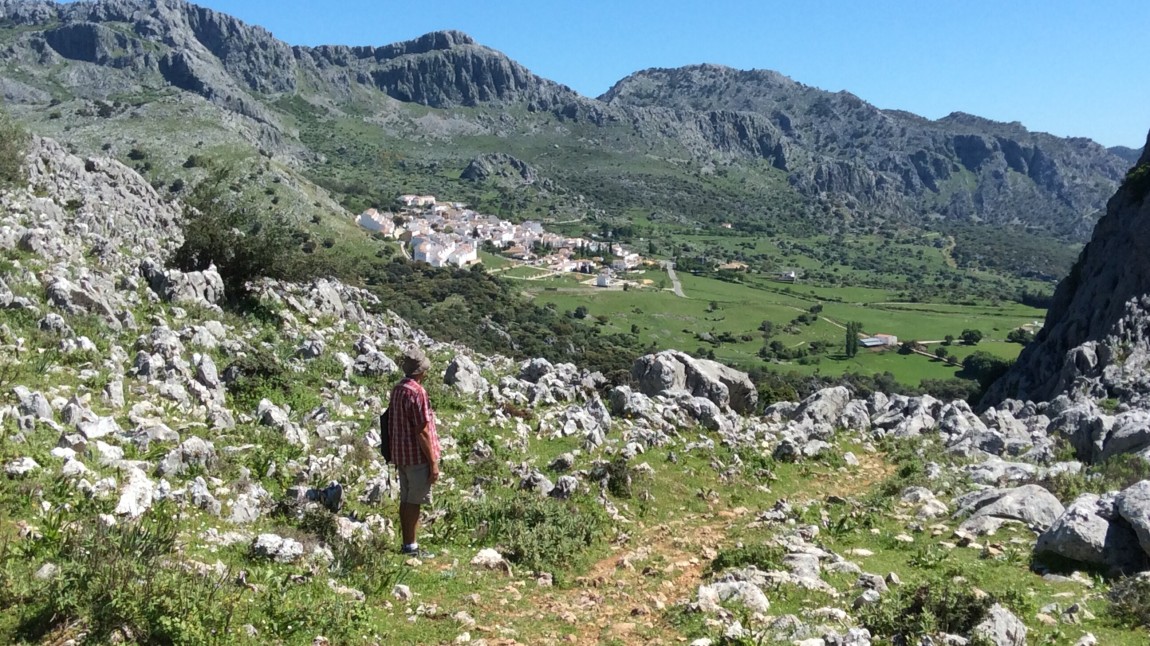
(672, 370)
(1093, 532)
(837, 143)
(145, 420)
(504, 169)
(195, 287)
(1094, 343)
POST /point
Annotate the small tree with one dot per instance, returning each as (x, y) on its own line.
(1020, 335)
(225, 229)
(985, 367)
(941, 353)
(971, 337)
(767, 328)
(852, 338)
(948, 339)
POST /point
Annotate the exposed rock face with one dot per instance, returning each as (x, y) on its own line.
(1133, 504)
(194, 287)
(673, 370)
(503, 168)
(828, 143)
(908, 160)
(1095, 343)
(1030, 504)
(115, 209)
(464, 375)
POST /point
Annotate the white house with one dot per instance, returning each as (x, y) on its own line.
(373, 220)
(463, 255)
(603, 280)
(416, 200)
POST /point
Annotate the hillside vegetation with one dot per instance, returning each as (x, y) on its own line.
(184, 467)
(701, 145)
(197, 341)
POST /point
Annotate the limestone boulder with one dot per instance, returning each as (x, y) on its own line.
(672, 370)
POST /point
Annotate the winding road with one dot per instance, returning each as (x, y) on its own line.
(676, 286)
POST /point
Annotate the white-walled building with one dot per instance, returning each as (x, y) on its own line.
(452, 234)
(416, 200)
(373, 220)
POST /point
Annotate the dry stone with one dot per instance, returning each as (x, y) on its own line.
(1133, 505)
(465, 376)
(672, 370)
(1001, 628)
(1090, 532)
(1030, 504)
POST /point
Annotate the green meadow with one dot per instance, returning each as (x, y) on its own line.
(725, 319)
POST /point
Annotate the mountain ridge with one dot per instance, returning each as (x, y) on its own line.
(836, 150)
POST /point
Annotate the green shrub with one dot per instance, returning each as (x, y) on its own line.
(1116, 473)
(117, 582)
(364, 563)
(619, 477)
(764, 556)
(1138, 181)
(1130, 601)
(984, 367)
(225, 228)
(941, 605)
(13, 147)
(539, 534)
(258, 374)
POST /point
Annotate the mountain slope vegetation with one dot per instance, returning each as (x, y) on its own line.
(702, 144)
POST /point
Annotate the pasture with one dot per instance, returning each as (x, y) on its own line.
(726, 320)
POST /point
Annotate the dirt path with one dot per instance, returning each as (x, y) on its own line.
(624, 596)
(831, 321)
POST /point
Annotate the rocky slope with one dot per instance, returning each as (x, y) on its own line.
(127, 397)
(1094, 343)
(838, 143)
(832, 147)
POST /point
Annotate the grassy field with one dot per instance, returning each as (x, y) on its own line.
(725, 318)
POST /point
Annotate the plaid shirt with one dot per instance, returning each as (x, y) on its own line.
(408, 411)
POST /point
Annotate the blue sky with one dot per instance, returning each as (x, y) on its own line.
(1071, 68)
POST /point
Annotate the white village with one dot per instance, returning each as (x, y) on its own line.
(449, 234)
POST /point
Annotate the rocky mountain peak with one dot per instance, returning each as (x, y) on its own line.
(1095, 343)
(433, 41)
(704, 86)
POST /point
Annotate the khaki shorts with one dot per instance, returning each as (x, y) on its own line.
(414, 484)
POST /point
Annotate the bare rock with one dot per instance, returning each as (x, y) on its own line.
(1091, 532)
(1001, 628)
(672, 370)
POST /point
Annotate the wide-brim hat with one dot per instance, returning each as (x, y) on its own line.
(414, 362)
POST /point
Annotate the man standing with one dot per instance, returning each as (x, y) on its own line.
(414, 446)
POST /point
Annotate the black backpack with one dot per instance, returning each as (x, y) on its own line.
(384, 437)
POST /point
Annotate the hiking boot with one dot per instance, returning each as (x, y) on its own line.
(418, 553)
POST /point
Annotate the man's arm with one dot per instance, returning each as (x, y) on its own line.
(424, 439)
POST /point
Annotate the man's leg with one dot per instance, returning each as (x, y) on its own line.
(408, 521)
